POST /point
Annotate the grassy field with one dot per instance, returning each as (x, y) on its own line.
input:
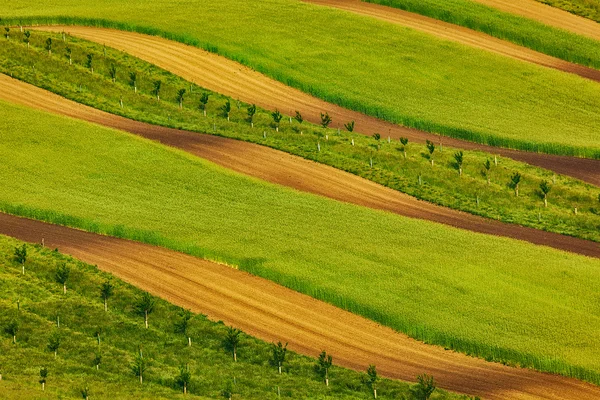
(497, 298)
(122, 332)
(441, 184)
(585, 8)
(421, 81)
(506, 26)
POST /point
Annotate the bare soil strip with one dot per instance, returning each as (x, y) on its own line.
(272, 313)
(287, 170)
(224, 76)
(548, 15)
(458, 34)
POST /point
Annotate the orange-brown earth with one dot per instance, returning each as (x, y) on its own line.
(272, 313)
(287, 170)
(224, 76)
(548, 15)
(458, 34)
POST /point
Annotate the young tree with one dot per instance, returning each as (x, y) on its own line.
(12, 328)
(277, 118)
(21, 256)
(279, 351)
(325, 120)
(298, 117)
(49, 46)
(322, 367)
(425, 387)
(156, 89)
(228, 391)
(251, 111)
(43, 376)
(54, 343)
(27, 38)
(545, 189)
(97, 335)
(232, 340)
(371, 379)
(515, 179)
(62, 275)
(404, 142)
(97, 360)
(430, 149)
(7, 32)
(183, 323)
(69, 55)
(139, 367)
(112, 71)
(133, 81)
(145, 305)
(487, 170)
(226, 109)
(184, 378)
(349, 126)
(458, 157)
(90, 63)
(377, 137)
(85, 393)
(106, 290)
(180, 95)
(204, 102)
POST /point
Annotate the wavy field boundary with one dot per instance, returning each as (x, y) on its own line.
(493, 97)
(272, 313)
(230, 78)
(291, 171)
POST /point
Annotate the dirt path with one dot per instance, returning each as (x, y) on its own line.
(272, 313)
(548, 15)
(222, 75)
(287, 170)
(458, 34)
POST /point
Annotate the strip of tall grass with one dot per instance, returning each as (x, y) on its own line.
(430, 84)
(441, 185)
(482, 291)
(519, 30)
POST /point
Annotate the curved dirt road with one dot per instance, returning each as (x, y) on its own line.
(222, 75)
(271, 312)
(547, 15)
(284, 169)
(458, 34)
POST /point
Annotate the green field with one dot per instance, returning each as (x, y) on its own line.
(441, 184)
(122, 332)
(585, 8)
(421, 81)
(519, 30)
(504, 300)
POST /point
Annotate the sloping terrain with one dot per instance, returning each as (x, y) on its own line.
(458, 34)
(548, 15)
(232, 79)
(271, 312)
(287, 170)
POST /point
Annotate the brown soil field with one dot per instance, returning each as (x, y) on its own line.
(284, 169)
(548, 15)
(224, 76)
(272, 313)
(458, 34)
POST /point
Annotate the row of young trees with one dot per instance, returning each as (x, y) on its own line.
(145, 304)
